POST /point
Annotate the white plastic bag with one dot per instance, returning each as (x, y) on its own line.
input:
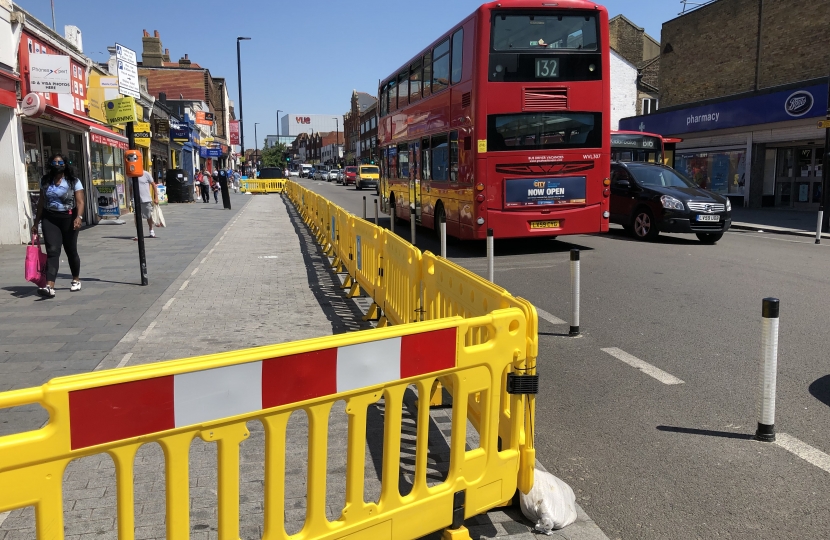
(157, 216)
(551, 503)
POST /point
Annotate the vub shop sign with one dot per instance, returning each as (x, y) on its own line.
(763, 109)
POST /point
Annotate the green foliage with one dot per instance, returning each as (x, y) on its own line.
(274, 156)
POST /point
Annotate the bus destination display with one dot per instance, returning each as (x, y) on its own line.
(547, 68)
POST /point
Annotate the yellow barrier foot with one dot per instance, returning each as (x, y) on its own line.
(383, 322)
(372, 314)
(460, 533)
(347, 283)
(354, 291)
(436, 396)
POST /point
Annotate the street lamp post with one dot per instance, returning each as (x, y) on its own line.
(337, 138)
(256, 149)
(239, 77)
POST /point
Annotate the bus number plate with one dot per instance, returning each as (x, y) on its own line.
(544, 224)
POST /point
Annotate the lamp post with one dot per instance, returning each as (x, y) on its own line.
(337, 138)
(278, 124)
(239, 77)
(256, 149)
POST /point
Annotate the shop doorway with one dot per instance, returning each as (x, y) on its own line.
(798, 178)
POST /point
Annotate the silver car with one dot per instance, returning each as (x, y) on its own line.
(332, 174)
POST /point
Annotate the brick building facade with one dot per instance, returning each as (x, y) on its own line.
(641, 50)
(360, 102)
(742, 82)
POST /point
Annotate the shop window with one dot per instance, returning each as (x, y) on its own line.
(722, 172)
(457, 55)
(804, 162)
(769, 172)
(785, 163)
(34, 159)
(441, 66)
(650, 106)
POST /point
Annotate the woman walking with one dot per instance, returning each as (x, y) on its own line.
(59, 210)
(205, 186)
(215, 187)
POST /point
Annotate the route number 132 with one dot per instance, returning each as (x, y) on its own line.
(547, 68)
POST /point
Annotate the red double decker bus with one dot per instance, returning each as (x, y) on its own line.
(504, 123)
(644, 147)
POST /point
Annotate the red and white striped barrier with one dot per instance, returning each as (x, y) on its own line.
(132, 409)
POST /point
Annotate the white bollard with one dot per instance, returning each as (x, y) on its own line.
(818, 226)
(442, 230)
(574, 331)
(490, 255)
(769, 370)
(376, 211)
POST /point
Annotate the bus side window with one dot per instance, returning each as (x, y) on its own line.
(457, 55)
(440, 158)
(441, 66)
(426, 169)
(454, 156)
(427, 81)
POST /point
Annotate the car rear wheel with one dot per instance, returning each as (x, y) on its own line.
(709, 238)
(357, 185)
(645, 228)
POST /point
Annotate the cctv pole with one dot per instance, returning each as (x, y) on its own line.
(241, 124)
(139, 228)
(825, 175)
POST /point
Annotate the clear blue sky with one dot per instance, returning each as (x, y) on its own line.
(305, 56)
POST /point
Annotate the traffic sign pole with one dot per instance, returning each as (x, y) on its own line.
(139, 227)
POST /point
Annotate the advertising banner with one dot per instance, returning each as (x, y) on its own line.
(142, 134)
(50, 73)
(107, 201)
(234, 132)
(181, 135)
(544, 191)
(204, 118)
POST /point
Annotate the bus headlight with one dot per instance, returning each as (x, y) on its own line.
(480, 221)
(606, 214)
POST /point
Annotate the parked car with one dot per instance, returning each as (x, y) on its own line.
(269, 173)
(350, 175)
(647, 198)
(367, 176)
(333, 174)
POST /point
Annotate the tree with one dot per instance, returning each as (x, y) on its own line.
(274, 156)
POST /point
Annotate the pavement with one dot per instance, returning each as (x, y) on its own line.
(650, 414)
(776, 220)
(219, 280)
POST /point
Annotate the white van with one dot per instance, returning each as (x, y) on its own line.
(305, 168)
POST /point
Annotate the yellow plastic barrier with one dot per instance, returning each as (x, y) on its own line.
(410, 286)
(262, 186)
(118, 411)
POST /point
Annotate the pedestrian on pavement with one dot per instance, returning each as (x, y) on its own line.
(148, 196)
(59, 210)
(215, 187)
(205, 186)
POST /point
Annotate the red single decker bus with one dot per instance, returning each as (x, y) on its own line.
(503, 123)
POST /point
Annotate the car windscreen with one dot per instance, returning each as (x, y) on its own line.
(652, 176)
(544, 30)
(351, 169)
(369, 170)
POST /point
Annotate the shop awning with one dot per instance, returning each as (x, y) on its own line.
(99, 133)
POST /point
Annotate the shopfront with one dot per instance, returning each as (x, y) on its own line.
(763, 149)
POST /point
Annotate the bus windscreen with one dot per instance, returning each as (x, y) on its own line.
(533, 31)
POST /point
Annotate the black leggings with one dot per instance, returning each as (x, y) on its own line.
(205, 193)
(59, 230)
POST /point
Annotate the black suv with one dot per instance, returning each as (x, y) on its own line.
(647, 198)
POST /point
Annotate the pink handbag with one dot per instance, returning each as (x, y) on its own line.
(35, 263)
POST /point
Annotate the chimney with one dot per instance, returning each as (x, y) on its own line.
(166, 56)
(184, 62)
(151, 54)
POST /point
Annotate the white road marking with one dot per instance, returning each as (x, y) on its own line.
(548, 317)
(147, 331)
(168, 304)
(203, 260)
(184, 285)
(645, 367)
(803, 450)
(193, 273)
(209, 252)
(124, 360)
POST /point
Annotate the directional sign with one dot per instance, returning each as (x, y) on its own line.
(824, 124)
(125, 54)
(127, 71)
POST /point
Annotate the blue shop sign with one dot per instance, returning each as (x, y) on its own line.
(180, 134)
(780, 106)
(210, 152)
